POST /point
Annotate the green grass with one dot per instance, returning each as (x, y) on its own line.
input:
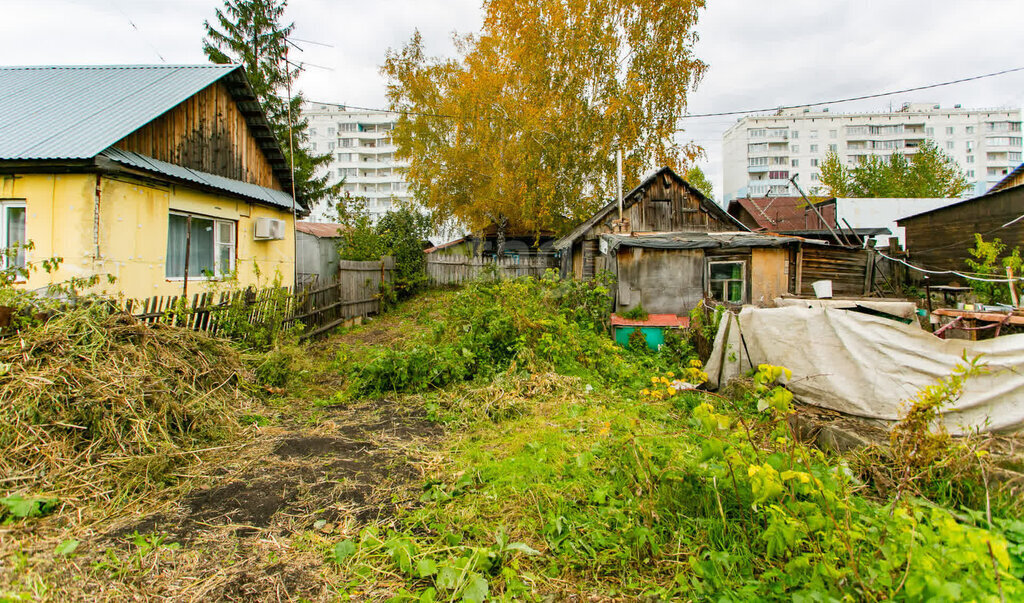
(561, 478)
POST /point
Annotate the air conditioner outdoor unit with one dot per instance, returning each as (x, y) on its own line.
(269, 229)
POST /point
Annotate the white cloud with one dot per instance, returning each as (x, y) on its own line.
(761, 54)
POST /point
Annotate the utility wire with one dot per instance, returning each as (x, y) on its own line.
(727, 113)
(957, 273)
(857, 98)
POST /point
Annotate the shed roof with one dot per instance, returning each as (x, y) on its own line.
(711, 206)
(76, 112)
(321, 230)
(780, 214)
(959, 204)
(701, 240)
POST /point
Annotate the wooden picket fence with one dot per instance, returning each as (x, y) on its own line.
(354, 294)
(456, 270)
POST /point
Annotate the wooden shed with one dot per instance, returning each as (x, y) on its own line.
(663, 202)
(672, 272)
(939, 239)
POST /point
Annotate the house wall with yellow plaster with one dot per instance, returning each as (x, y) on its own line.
(131, 234)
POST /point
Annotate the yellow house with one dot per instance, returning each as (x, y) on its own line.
(164, 177)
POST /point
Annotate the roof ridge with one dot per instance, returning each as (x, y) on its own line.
(122, 66)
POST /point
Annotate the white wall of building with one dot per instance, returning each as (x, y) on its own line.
(883, 213)
(761, 153)
(363, 155)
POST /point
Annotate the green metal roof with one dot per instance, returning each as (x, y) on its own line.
(70, 112)
(252, 192)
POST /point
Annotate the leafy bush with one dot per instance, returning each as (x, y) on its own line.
(637, 313)
(400, 233)
(988, 261)
(492, 325)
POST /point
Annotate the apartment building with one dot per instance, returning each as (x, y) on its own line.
(762, 152)
(363, 156)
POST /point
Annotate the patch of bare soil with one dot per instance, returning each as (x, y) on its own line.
(260, 530)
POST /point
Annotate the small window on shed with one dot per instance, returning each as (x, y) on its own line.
(726, 281)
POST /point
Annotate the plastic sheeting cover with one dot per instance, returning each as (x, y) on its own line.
(870, 366)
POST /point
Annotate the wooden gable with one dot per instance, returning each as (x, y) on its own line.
(667, 204)
(209, 133)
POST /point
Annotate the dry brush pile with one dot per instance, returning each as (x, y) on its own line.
(98, 407)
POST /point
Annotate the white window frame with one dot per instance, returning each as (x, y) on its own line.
(4, 243)
(724, 292)
(218, 223)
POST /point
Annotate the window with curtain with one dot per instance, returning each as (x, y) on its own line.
(211, 252)
(12, 229)
(726, 281)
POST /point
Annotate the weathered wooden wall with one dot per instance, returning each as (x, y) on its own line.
(939, 240)
(665, 281)
(667, 205)
(455, 270)
(846, 268)
(206, 132)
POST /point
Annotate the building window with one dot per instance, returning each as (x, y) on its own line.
(949, 145)
(814, 148)
(970, 146)
(832, 133)
(347, 142)
(757, 132)
(795, 163)
(814, 163)
(312, 146)
(726, 281)
(312, 131)
(211, 246)
(815, 177)
(814, 134)
(794, 134)
(795, 148)
(929, 131)
(949, 130)
(12, 229)
(968, 129)
(833, 147)
(330, 131)
(970, 159)
(1013, 157)
(970, 173)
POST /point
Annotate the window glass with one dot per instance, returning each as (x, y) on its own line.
(726, 281)
(13, 222)
(211, 247)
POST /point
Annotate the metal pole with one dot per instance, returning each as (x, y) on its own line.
(188, 249)
(291, 157)
(618, 179)
(814, 207)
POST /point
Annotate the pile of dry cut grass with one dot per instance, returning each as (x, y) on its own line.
(97, 406)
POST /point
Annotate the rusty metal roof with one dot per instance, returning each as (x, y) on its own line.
(68, 112)
(322, 230)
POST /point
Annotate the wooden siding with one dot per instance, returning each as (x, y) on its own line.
(206, 132)
(665, 205)
(845, 267)
(939, 240)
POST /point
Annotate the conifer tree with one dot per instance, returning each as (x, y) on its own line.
(251, 32)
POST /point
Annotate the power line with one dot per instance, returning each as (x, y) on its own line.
(726, 113)
(956, 272)
(856, 98)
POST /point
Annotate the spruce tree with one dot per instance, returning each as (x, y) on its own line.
(251, 33)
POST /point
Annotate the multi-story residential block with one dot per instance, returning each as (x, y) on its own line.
(762, 152)
(363, 156)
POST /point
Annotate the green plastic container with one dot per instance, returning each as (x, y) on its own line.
(655, 336)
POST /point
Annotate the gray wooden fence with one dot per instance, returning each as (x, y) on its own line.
(455, 270)
(320, 307)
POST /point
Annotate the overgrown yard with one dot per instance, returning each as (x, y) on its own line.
(487, 443)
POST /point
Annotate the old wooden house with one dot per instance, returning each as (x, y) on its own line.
(662, 202)
(940, 239)
(673, 247)
(160, 176)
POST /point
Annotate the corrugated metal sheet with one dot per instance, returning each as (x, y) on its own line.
(253, 192)
(76, 112)
(699, 240)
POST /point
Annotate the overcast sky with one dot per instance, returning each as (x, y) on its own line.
(761, 54)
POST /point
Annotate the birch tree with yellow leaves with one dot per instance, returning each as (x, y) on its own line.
(523, 126)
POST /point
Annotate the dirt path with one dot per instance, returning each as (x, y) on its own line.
(257, 530)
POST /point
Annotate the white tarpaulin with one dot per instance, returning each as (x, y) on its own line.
(871, 366)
